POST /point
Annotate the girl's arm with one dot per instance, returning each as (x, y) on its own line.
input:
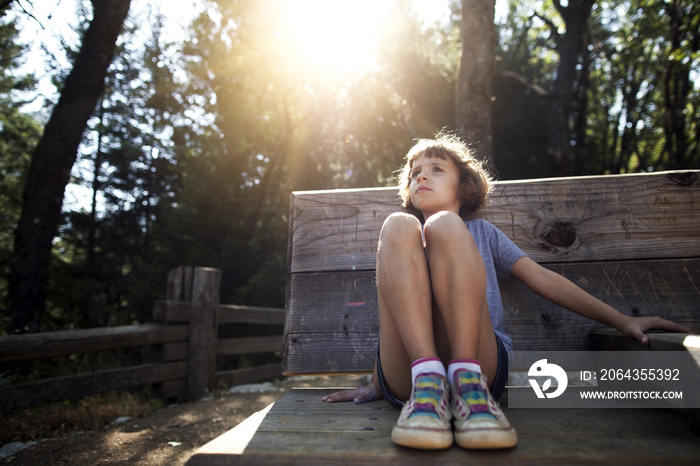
(560, 290)
(369, 392)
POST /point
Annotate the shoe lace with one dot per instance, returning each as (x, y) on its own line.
(427, 391)
(475, 394)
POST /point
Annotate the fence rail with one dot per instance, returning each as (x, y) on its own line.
(18, 348)
(185, 337)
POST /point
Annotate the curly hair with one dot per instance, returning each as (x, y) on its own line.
(475, 182)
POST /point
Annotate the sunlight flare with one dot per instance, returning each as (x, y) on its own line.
(342, 35)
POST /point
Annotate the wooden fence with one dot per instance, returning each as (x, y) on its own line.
(185, 339)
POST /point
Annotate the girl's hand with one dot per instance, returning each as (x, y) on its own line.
(358, 395)
(636, 327)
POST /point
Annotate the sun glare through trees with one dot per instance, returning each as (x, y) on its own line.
(339, 35)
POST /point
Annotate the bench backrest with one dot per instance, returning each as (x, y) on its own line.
(631, 240)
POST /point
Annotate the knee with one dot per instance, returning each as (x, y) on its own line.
(445, 225)
(399, 226)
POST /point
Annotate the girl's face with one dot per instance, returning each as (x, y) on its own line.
(434, 185)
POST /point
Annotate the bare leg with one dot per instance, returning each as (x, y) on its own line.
(463, 328)
(405, 301)
(431, 306)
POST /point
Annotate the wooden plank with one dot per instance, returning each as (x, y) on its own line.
(179, 287)
(346, 301)
(174, 351)
(251, 345)
(330, 315)
(332, 302)
(233, 314)
(203, 326)
(636, 288)
(614, 217)
(65, 388)
(317, 353)
(188, 285)
(608, 339)
(48, 344)
(250, 375)
(179, 311)
(338, 230)
(234, 442)
(172, 311)
(300, 429)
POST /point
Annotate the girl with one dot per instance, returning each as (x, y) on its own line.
(442, 344)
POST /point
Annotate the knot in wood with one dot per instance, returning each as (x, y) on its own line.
(560, 234)
(550, 321)
(684, 179)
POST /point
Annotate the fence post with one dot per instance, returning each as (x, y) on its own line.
(203, 328)
(179, 284)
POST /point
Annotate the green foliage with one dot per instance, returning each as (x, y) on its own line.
(19, 134)
(524, 74)
(620, 112)
(191, 155)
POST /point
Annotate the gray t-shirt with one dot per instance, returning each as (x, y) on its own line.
(499, 254)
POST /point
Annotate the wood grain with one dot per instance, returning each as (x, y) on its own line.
(615, 217)
(180, 312)
(330, 316)
(249, 375)
(250, 345)
(49, 344)
(203, 327)
(65, 388)
(300, 429)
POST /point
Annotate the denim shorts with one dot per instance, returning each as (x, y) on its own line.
(499, 383)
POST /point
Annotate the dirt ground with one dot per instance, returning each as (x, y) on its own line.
(167, 436)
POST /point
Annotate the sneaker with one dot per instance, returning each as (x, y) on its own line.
(425, 418)
(479, 422)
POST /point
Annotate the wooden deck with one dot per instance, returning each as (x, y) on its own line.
(300, 429)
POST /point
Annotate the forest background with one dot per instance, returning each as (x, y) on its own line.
(197, 140)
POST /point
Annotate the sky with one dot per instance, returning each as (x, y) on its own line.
(46, 24)
(52, 18)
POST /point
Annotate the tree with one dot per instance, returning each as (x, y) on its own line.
(636, 72)
(618, 135)
(19, 133)
(684, 43)
(474, 95)
(107, 257)
(51, 164)
(569, 47)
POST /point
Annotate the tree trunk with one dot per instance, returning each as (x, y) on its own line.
(52, 162)
(473, 107)
(677, 84)
(581, 106)
(630, 93)
(569, 47)
(96, 188)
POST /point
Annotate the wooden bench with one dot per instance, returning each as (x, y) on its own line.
(631, 240)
